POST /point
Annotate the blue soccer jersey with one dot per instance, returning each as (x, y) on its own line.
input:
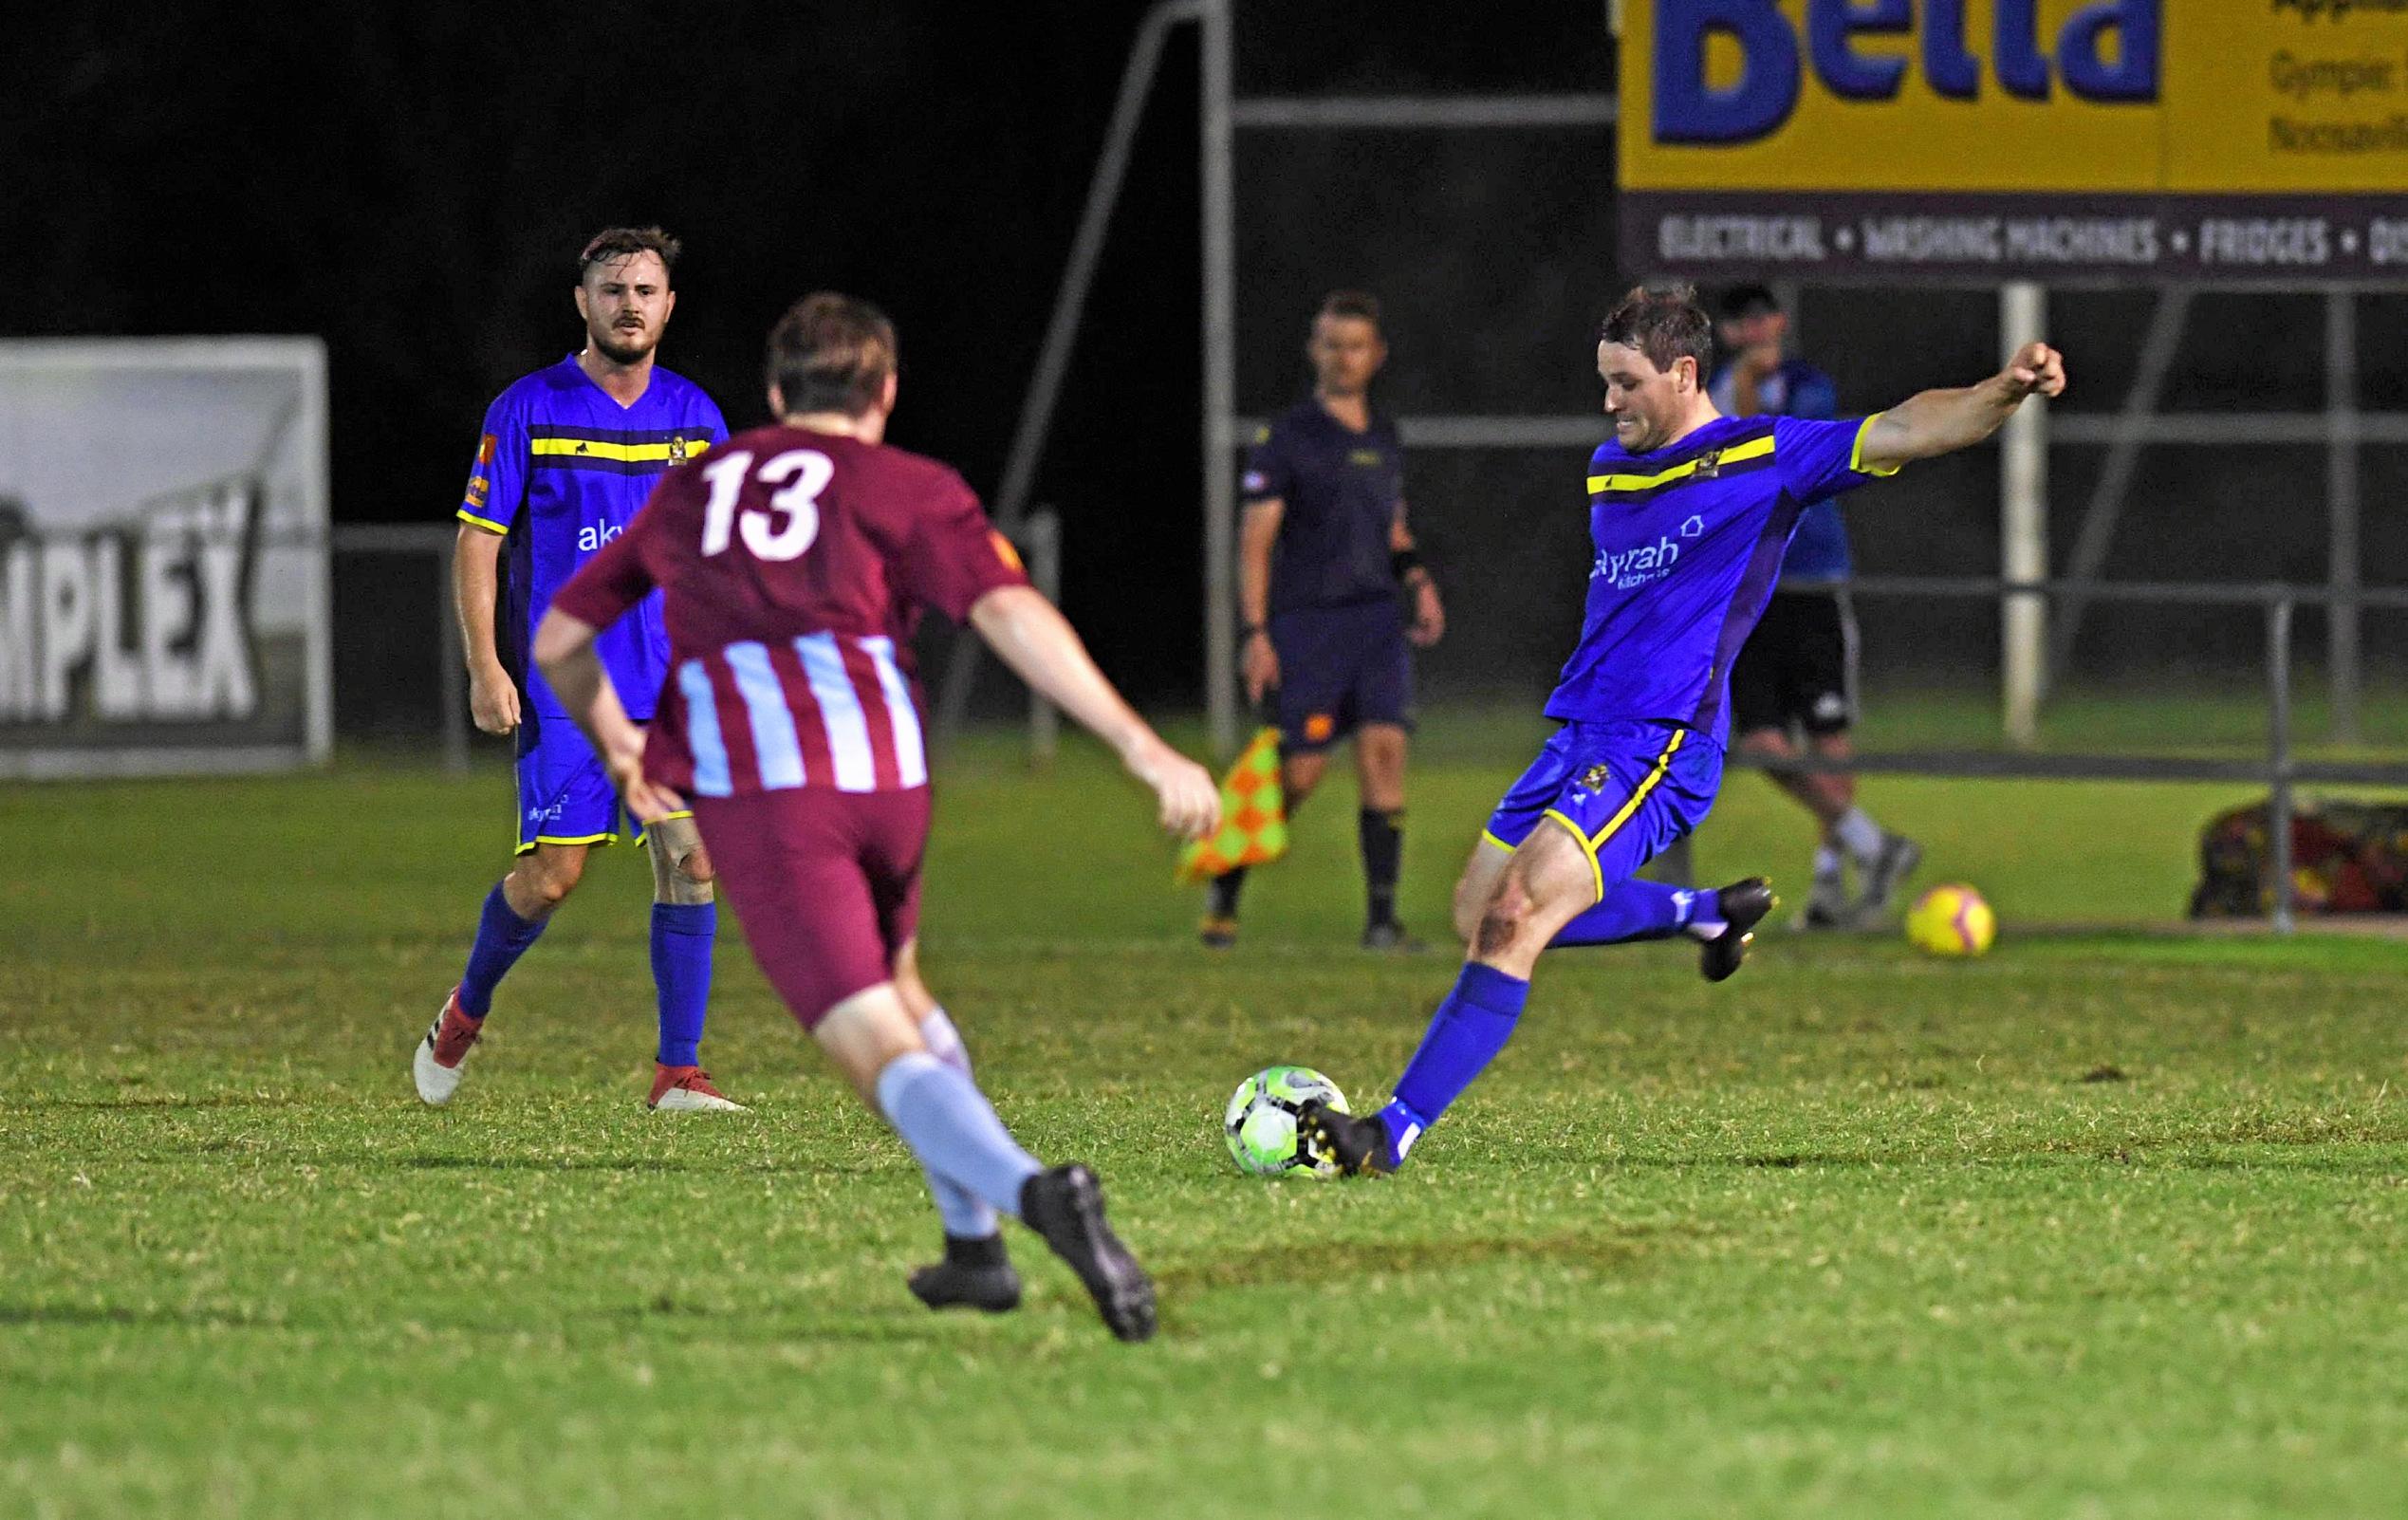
(1689, 540)
(561, 469)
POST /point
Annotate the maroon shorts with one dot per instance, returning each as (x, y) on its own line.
(825, 882)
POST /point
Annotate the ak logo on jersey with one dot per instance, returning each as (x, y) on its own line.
(594, 535)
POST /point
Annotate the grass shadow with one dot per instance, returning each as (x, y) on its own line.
(1340, 1260)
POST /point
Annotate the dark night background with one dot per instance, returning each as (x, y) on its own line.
(412, 183)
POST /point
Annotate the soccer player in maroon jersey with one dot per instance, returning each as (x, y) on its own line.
(788, 561)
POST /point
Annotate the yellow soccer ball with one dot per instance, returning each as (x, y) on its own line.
(1951, 920)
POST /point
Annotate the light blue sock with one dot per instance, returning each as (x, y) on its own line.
(1470, 1027)
(953, 1129)
(965, 1214)
(1632, 910)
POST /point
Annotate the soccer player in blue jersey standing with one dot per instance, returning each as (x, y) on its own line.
(1798, 669)
(1690, 514)
(1326, 568)
(568, 456)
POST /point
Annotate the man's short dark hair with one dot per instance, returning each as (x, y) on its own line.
(1664, 324)
(831, 353)
(1742, 301)
(1359, 304)
(615, 243)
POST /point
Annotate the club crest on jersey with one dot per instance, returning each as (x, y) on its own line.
(676, 450)
(1595, 777)
(1709, 464)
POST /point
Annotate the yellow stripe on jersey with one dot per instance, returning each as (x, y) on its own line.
(1736, 454)
(485, 523)
(1856, 452)
(630, 452)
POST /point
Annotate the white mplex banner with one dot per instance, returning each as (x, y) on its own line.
(163, 558)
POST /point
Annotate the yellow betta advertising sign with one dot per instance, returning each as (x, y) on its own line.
(1953, 140)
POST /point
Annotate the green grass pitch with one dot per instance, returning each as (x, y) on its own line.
(2108, 1224)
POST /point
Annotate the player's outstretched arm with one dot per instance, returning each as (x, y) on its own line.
(1030, 635)
(565, 653)
(1937, 422)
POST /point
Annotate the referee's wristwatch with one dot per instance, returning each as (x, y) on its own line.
(1252, 631)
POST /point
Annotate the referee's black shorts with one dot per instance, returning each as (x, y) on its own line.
(1798, 669)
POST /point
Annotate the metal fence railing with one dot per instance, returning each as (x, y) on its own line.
(2279, 770)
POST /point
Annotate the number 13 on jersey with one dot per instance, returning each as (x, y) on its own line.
(802, 472)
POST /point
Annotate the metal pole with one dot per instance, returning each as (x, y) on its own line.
(2278, 809)
(452, 656)
(1042, 534)
(1220, 384)
(2023, 524)
(2341, 491)
(1062, 329)
(1086, 251)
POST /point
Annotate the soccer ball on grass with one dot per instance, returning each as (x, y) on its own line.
(1951, 920)
(1261, 1122)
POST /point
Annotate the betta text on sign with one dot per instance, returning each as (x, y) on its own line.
(2106, 52)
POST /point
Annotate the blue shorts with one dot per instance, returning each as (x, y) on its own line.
(1625, 790)
(1340, 668)
(565, 796)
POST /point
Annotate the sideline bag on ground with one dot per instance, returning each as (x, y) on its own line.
(2346, 857)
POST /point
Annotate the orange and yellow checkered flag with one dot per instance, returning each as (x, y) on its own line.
(1253, 817)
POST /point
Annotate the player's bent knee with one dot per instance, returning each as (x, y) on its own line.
(549, 877)
(1500, 923)
(1467, 911)
(865, 1031)
(689, 879)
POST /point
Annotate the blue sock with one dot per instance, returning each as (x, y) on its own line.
(1633, 910)
(1470, 1027)
(949, 1124)
(965, 1214)
(502, 937)
(681, 938)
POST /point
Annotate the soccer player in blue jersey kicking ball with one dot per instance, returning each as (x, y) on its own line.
(1690, 513)
(568, 454)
